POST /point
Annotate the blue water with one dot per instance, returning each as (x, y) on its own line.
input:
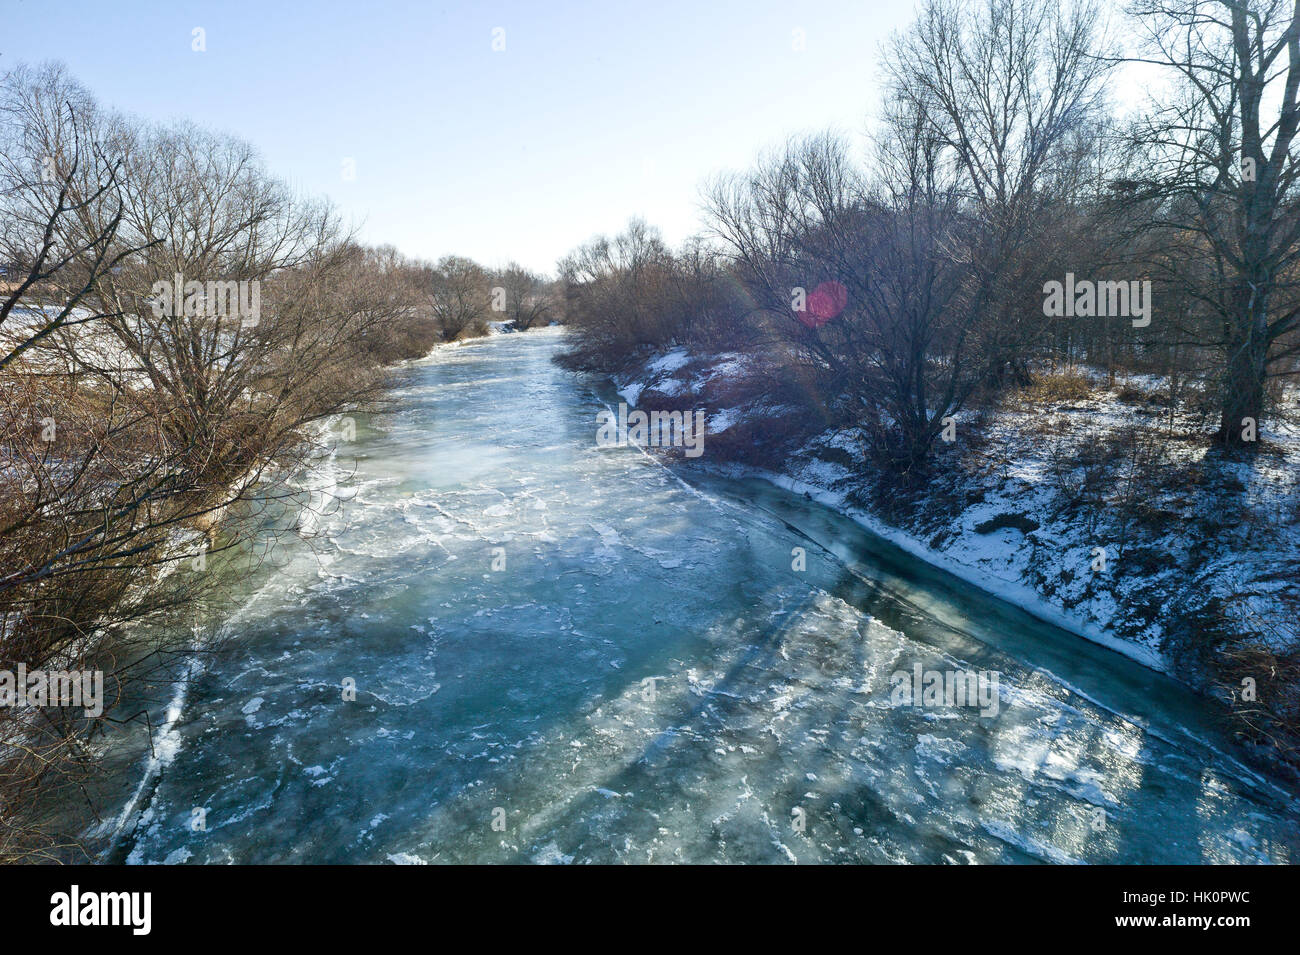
(565, 653)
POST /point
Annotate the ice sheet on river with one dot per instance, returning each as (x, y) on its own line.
(645, 678)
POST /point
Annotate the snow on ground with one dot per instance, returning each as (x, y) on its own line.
(95, 345)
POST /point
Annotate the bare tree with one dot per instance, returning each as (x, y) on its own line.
(1005, 87)
(529, 298)
(617, 293)
(53, 175)
(459, 294)
(1221, 176)
(931, 248)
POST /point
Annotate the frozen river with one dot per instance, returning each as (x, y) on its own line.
(565, 653)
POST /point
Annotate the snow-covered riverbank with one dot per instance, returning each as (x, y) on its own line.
(1088, 509)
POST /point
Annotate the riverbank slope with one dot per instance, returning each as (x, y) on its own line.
(1082, 500)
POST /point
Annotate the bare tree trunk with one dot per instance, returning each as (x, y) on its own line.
(1246, 372)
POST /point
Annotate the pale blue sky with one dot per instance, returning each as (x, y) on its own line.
(594, 112)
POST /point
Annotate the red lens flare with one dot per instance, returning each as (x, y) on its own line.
(824, 303)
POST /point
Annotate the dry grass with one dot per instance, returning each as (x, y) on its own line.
(1057, 387)
(1261, 685)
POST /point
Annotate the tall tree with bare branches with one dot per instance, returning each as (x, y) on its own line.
(1219, 173)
